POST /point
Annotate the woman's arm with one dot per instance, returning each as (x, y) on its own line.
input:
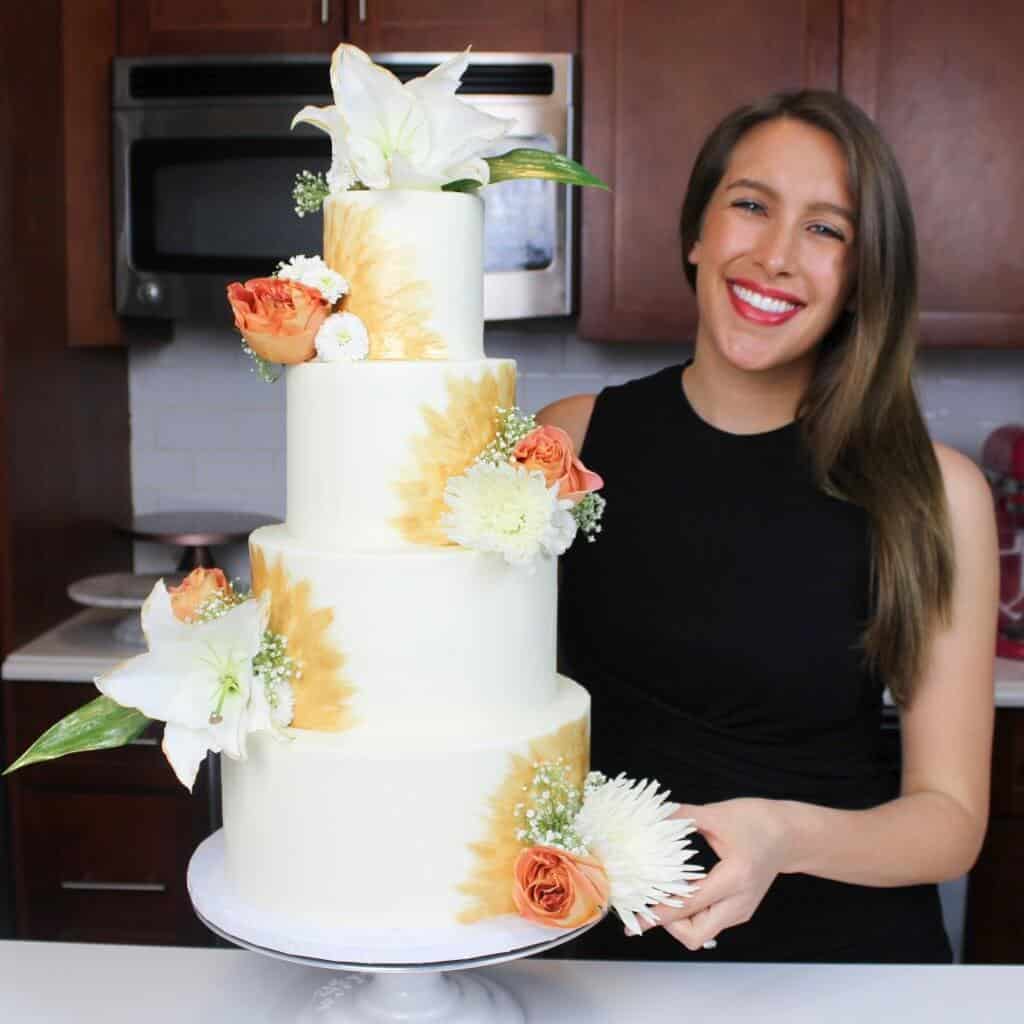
(572, 414)
(934, 829)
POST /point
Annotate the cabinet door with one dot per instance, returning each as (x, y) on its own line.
(229, 26)
(944, 80)
(657, 77)
(387, 26)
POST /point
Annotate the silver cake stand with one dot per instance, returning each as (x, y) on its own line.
(385, 976)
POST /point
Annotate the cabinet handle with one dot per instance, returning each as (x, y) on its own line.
(362, 10)
(144, 741)
(114, 886)
(325, 11)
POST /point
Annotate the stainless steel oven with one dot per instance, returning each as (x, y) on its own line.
(204, 163)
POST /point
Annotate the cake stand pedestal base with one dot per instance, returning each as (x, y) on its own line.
(452, 998)
(382, 976)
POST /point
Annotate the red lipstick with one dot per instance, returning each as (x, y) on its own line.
(762, 316)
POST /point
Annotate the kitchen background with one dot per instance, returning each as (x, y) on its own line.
(101, 417)
(207, 433)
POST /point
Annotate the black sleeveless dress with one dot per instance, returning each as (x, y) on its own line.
(715, 621)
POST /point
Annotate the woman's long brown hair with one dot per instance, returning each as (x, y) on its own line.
(860, 416)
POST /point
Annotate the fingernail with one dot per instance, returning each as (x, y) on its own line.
(710, 944)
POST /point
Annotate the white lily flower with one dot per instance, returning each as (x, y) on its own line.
(196, 677)
(390, 135)
(341, 176)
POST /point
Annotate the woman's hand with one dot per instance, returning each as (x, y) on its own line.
(750, 837)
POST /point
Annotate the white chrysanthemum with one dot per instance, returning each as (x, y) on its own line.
(508, 510)
(627, 826)
(342, 338)
(312, 271)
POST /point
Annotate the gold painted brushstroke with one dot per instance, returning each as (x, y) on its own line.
(322, 694)
(489, 886)
(384, 291)
(454, 439)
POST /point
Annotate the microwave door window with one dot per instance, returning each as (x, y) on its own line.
(223, 207)
(520, 216)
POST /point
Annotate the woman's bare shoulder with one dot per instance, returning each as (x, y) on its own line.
(967, 490)
(572, 414)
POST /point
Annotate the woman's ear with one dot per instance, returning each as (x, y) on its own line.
(694, 254)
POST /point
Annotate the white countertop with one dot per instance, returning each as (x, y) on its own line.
(84, 647)
(68, 983)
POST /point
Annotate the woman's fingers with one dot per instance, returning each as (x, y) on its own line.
(705, 926)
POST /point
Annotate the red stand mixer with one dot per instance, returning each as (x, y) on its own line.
(1002, 459)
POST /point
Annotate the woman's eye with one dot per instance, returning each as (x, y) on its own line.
(828, 231)
(748, 204)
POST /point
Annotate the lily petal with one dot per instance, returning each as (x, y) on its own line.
(160, 625)
(340, 177)
(185, 749)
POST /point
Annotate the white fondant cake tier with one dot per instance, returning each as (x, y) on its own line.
(359, 829)
(419, 631)
(370, 445)
(413, 261)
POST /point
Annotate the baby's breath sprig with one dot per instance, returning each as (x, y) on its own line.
(276, 670)
(588, 512)
(309, 192)
(223, 601)
(549, 812)
(260, 366)
(513, 426)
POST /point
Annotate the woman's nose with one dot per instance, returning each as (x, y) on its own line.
(775, 250)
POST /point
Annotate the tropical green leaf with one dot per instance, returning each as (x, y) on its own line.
(462, 185)
(98, 725)
(538, 163)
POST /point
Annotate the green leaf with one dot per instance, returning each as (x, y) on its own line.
(98, 725)
(538, 163)
(462, 185)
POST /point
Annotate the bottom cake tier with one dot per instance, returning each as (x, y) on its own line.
(373, 830)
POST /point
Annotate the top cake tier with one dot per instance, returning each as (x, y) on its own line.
(414, 265)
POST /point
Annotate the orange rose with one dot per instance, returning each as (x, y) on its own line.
(550, 450)
(278, 318)
(558, 889)
(195, 590)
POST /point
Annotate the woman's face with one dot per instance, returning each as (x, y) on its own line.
(776, 255)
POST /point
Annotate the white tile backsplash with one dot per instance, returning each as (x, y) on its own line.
(207, 433)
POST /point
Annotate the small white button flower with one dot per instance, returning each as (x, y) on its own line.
(342, 338)
(314, 272)
(507, 510)
(196, 677)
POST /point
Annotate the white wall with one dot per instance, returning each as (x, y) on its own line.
(208, 433)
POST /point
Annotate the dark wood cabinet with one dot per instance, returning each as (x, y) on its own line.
(383, 26)
(656, 78)
(995, 900)
(942, 80)
(151, 27)
(100, 841)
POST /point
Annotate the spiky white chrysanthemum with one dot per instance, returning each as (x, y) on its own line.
(312, 271)
(342, 338)
(508, 510)
(644, 851)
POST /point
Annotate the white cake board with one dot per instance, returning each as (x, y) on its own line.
(398, 974)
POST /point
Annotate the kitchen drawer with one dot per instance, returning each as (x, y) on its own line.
(35, 706)
(107, 867)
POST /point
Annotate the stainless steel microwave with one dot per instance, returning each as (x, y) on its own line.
(204, 163)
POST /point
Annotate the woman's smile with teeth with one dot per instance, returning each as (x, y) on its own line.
(769, 305)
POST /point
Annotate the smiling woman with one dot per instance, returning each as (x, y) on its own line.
(810, 547)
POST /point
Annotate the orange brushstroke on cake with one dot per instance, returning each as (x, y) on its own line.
(322, 693)
(489, 887)
(384, 291)
(455, 436)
